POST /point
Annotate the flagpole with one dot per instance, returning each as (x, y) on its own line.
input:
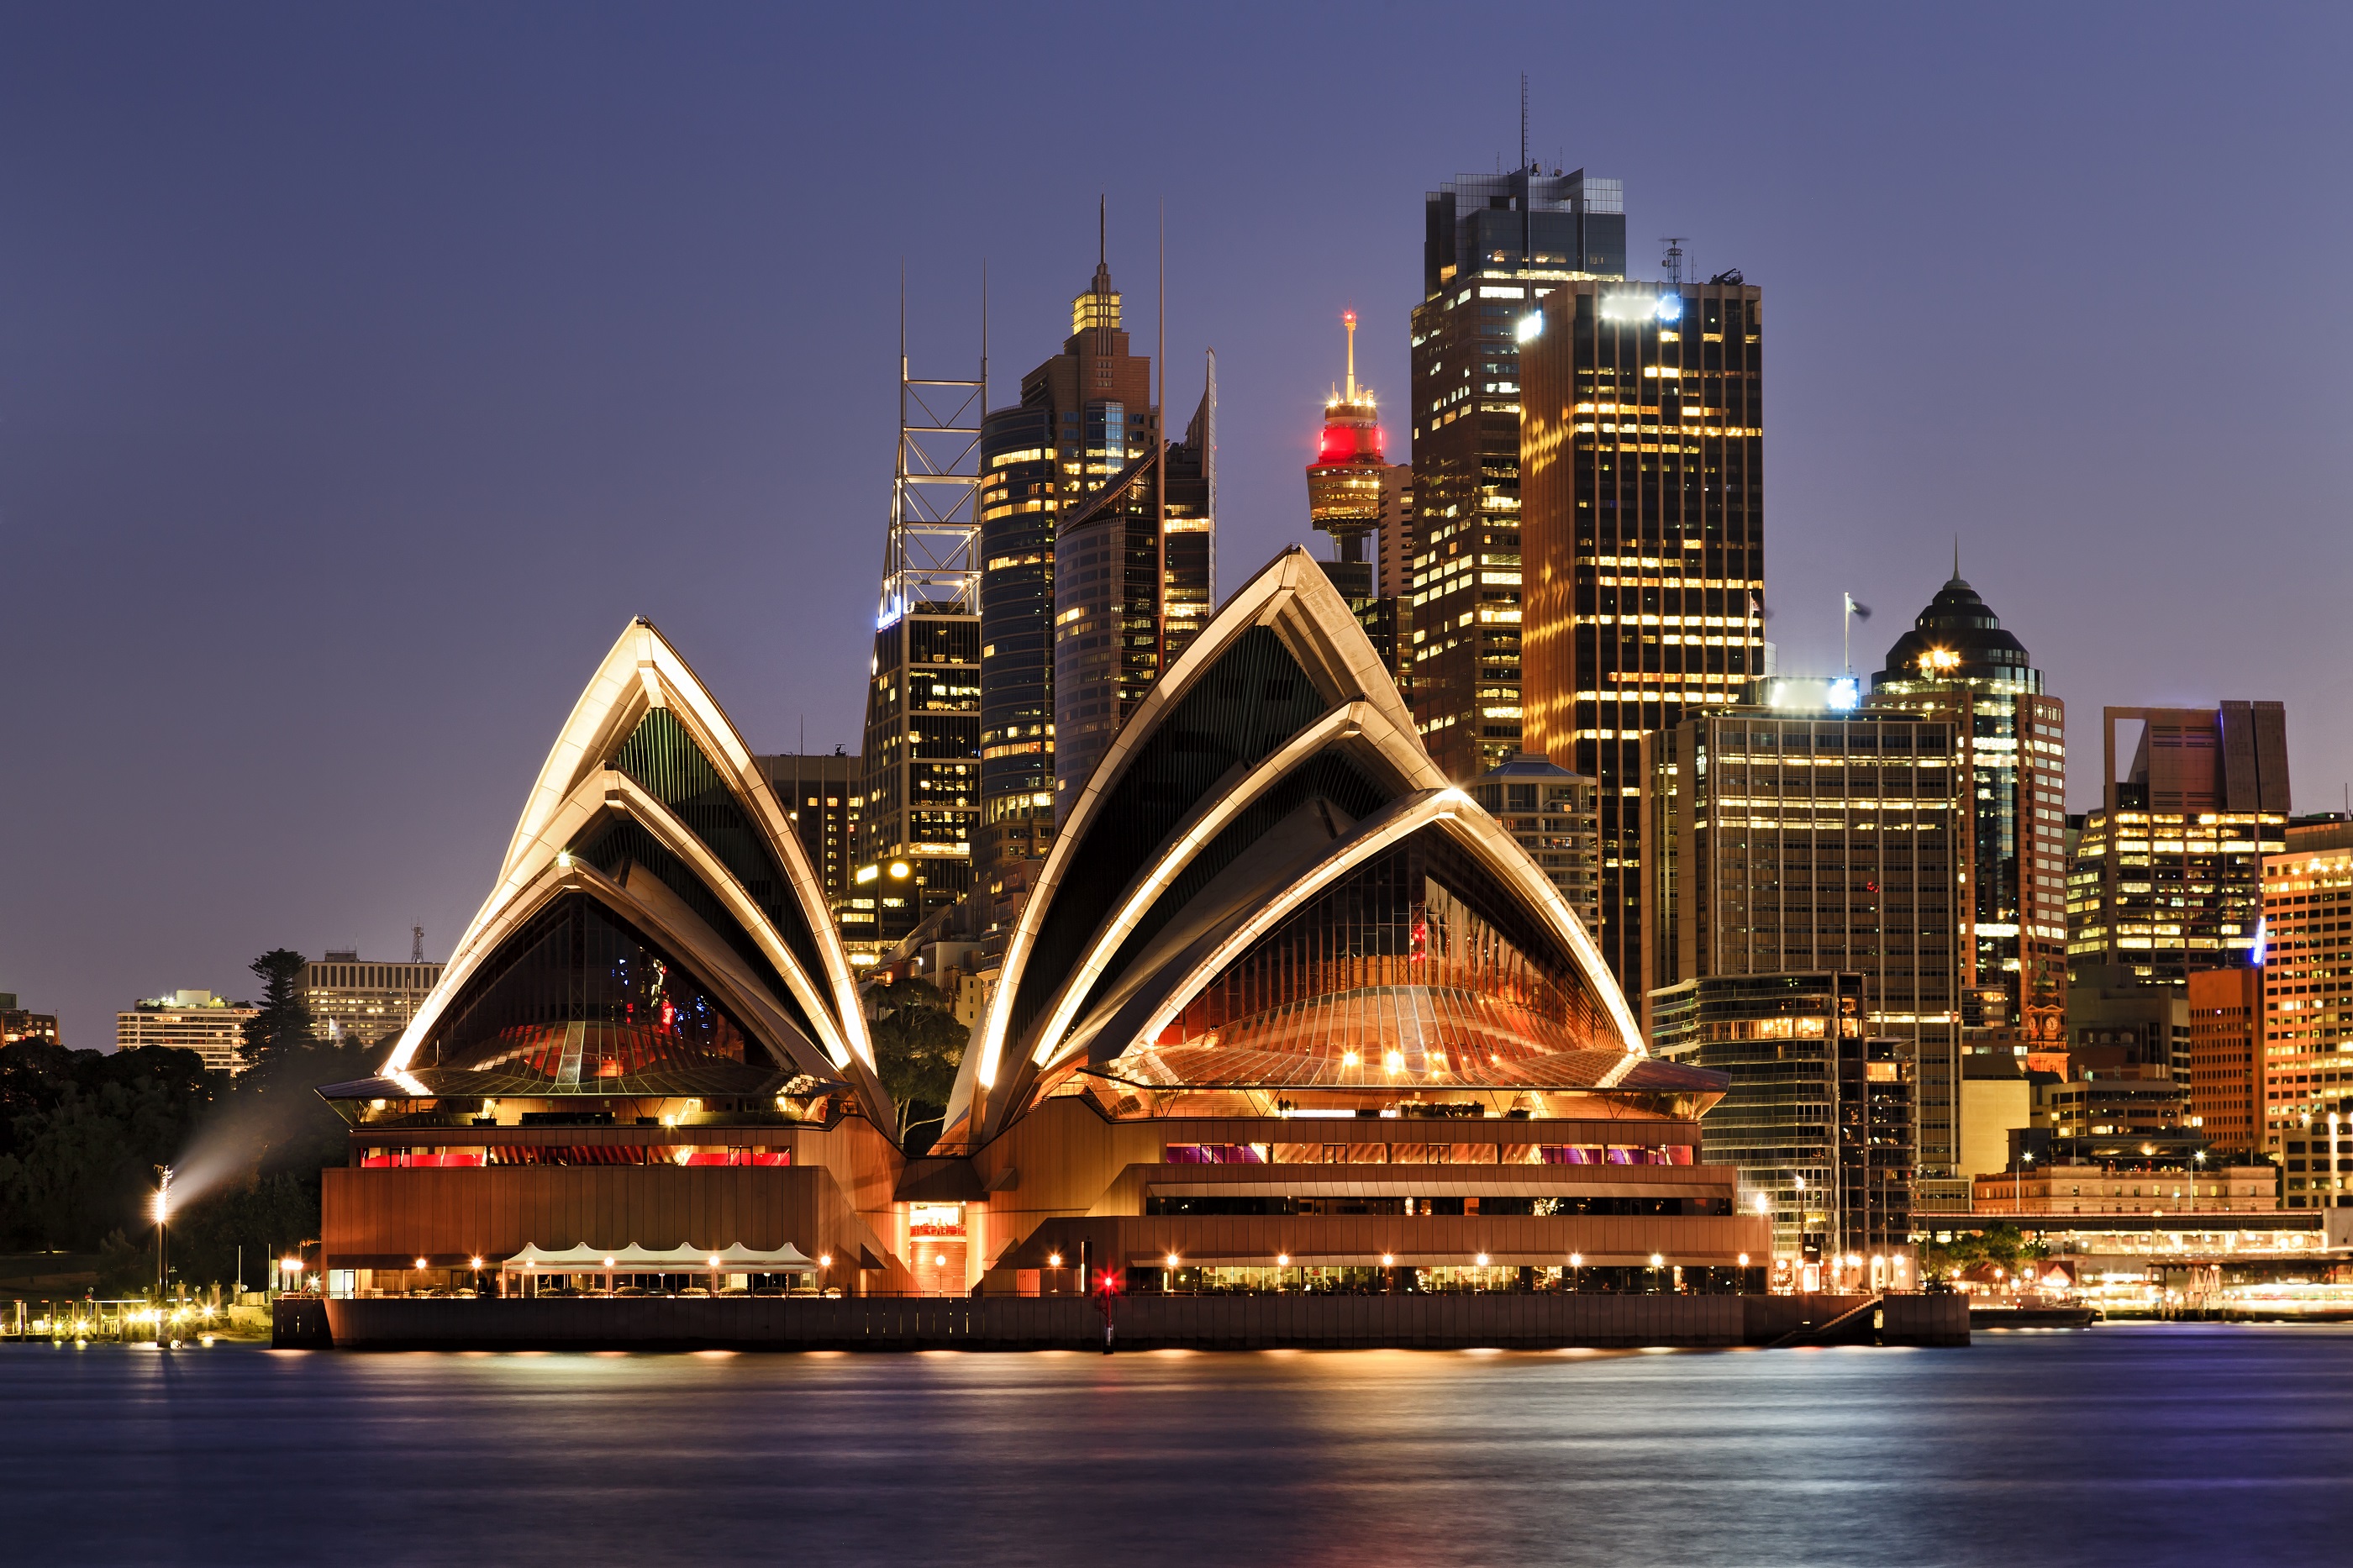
(1846, 633)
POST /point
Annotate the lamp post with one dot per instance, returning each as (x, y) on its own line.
(162, 1234)
(2017, 1186)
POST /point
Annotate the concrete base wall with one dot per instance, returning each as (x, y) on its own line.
(1194, 1323)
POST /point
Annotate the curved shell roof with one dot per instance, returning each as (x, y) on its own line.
(653, 845)
(1269, 782)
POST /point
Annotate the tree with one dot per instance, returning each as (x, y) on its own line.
(918, 1046)
(2002, 1245)
(283, 1027)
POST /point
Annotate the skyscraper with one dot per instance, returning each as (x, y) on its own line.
(2307, 1011)
(1643, 535)
(1819, 1120)
(1957, 664)
(1132, 588)
(1490, 244)
(820, 795)
(2168, 873)
(1086, 422)
(1806, 836)
(2226, 1055)
(921, 756)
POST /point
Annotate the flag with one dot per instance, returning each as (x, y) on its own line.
(1861, 611)
(1757, 611)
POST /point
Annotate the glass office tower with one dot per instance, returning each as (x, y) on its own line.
(1491, 243)
(1957, 664)
(1643, 535)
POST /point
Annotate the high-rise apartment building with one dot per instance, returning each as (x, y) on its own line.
(212, 1026)
(1643, 535)
(352, 998)
(1819, 1117)
(2226, 1037)
(1084, 439)
(1957, 664)
(1552, 813)
(2168, 872)
(820, 795)
(1490, 244)
(1801, 837)
(2307, 1019)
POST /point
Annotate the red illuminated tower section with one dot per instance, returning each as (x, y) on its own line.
(1344, 483)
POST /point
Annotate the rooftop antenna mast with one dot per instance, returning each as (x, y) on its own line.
(930, 559)
(1674, 263)
(1528, 188)
(416, 943)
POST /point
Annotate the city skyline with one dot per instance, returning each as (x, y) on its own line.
(298, 429)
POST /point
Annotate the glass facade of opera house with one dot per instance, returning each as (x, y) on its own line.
(1285, 1012)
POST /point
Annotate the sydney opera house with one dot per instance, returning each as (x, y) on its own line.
(1285, 1012)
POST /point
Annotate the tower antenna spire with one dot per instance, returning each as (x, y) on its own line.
(1103, 229)
(1348, 319)
(1524, 119)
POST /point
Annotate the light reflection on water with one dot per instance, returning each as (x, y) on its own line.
(2144, 1444)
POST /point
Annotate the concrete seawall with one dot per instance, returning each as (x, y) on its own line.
(1145, 1323)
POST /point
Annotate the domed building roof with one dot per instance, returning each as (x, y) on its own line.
(1960, 638)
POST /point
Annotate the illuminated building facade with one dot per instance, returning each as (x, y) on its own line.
(1490, 244)
(1551, 812)
(1802, 838)
(2226, 1057)
(2168, 873)
(1285, 1011)
(198, 1021)
(369, 1000)
(1132, 582)
(1957, 664)
(821, 799)
(1084, 415)
(2308, 1018)
(1079, 466)
(1643, 535)
(1818, 1119)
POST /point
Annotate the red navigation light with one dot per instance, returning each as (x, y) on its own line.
(1109, 1283)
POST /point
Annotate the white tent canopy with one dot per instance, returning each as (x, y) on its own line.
(735, 1259)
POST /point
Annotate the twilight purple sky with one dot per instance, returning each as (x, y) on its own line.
(361, 372)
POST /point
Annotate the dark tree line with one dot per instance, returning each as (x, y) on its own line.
(81, 1134)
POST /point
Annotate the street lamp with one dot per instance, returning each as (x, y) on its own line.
(162, 1229)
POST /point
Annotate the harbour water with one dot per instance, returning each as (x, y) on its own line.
(2156, 1443)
